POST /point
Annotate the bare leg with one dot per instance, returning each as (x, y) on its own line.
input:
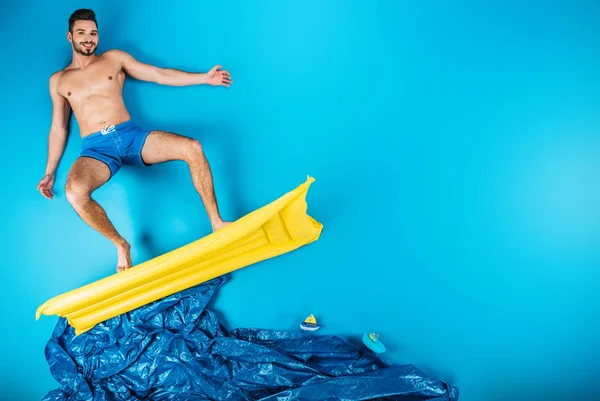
(85, 176)
(163, 146)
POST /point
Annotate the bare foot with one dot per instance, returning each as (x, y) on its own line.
(220, 224)
(124, 256)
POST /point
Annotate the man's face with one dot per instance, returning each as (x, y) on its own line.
(84, 37)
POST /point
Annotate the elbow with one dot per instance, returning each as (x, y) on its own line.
(58, 131)
(169, 76)
(161, 76)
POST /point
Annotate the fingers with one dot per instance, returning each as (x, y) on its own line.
(43, 182)
(45, 191)
(223, 74)
(226, 81)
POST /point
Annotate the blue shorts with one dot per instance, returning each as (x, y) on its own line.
(116, 145)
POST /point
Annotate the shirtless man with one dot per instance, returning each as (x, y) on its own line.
(91, 87)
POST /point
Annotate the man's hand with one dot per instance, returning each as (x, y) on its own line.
(217, 77)
(45, 186)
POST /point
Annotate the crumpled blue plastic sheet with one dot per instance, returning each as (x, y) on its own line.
(175, 349)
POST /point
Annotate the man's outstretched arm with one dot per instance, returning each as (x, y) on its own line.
(169, 76)
(57, 137)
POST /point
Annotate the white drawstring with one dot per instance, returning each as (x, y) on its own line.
(107, 129)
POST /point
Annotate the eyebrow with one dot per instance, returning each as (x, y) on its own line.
(83, 30)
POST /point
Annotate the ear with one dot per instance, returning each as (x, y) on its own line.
(69, 36)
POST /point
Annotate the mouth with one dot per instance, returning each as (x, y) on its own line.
(87, 46)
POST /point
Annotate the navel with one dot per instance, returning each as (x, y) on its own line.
(109, 77)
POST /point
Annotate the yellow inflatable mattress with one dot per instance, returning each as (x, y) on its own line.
(279, 227)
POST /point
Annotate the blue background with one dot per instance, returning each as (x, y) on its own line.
(455, 147)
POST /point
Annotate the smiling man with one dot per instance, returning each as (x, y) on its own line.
(91, 87)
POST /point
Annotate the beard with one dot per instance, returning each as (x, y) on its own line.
(83, 51)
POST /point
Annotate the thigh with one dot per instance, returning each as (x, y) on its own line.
(161, 146)
(87, 174)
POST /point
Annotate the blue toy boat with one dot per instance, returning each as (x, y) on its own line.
(310, 324)
(371, 340)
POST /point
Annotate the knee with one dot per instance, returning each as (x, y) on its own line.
(76, 192)
(194, 151)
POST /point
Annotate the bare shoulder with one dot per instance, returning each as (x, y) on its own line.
(59, 79)
(117, 55)
(57, 74)
(55, 79)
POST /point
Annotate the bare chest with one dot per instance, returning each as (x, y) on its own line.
(101, 80)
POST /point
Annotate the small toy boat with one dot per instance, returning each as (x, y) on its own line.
(371, 340)
(310, 324)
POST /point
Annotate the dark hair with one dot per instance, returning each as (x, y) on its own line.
(82, 14)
